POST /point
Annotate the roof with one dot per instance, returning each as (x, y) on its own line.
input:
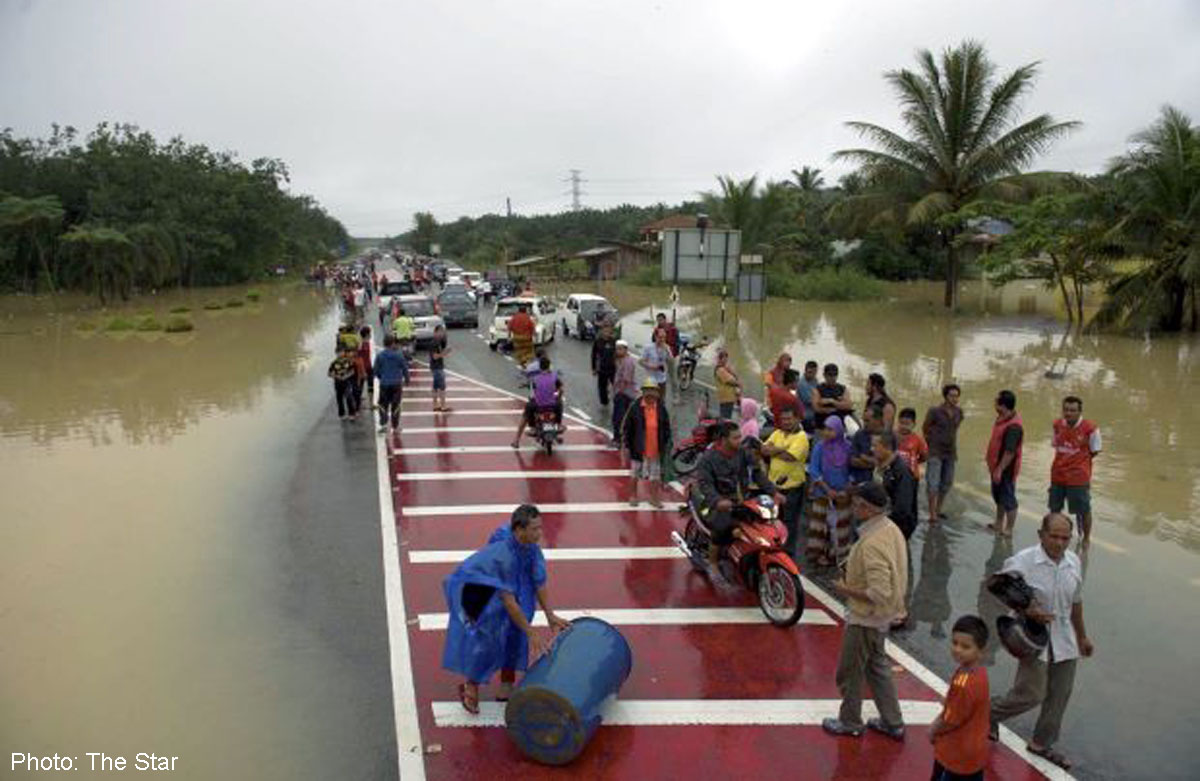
(596, 252)
(529, 261)
(588, 297)
(670, 222)
(520, 300)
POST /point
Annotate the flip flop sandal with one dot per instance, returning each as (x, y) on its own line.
(1050, 755)
(470, 702)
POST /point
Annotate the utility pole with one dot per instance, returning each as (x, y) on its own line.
(576, 179)
(508, 207)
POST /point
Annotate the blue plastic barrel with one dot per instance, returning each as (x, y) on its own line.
(552, 715)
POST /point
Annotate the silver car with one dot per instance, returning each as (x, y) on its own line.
(424, 314)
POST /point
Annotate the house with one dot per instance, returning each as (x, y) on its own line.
(613, 259)
(653, 231)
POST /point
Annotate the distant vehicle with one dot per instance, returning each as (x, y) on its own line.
(540, 309)
(472, 279)
(393, 283)
(424, 314)
(504, 288)
(458, 309)
(584, 313)
(459, 288)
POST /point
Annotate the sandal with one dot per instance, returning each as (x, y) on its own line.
(1050, 755)
(469, 700)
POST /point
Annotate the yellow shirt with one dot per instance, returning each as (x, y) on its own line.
(726, 391)
(789, 474)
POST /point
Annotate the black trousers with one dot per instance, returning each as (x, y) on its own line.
(790, 513)
(621, 404)
(347, 397)
(604, 378)
(389, 404)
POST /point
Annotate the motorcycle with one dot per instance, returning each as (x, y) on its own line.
(756, 556)
(545, 430)
(689, 358)
(686, 455)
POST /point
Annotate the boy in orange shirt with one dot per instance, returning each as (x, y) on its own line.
(909, 444)
(960, 734)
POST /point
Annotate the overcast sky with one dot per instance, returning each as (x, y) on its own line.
(384, 108)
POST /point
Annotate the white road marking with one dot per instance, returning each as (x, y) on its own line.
(581, 414)
(404, 699)
(659, 713)
(419, 413)
(556, 554)
(505, 510)
(415, 399)
(665, 616)
(517, 474)
(470, 449)
(455, 430)
(930, 679)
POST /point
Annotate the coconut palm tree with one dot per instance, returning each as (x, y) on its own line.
(745, 206)
(101, 260)
(34, 221)
(964, 143)
(1158, 182)
(807, 179)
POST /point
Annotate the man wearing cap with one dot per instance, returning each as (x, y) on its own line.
(647, 435)
(624, 386)
(874, 585)
(1055, 575)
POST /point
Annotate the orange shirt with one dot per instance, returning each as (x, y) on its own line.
(521, 324)
(650, 453)
(967, 712)
(914, 451)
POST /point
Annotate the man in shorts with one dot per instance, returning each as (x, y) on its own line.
(1004, 461)
(941, 435)
(647, 436)
(1076, 442)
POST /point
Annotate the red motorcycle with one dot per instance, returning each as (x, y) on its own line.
(686, 455)
(756, 556)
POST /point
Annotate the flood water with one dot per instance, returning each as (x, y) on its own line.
(145, 604)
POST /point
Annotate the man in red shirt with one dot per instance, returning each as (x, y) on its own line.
(1076, 442)
(520, 330)
(783, 396)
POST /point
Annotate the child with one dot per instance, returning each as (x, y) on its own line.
(343, 371)
(909, 444)
(437, 366)
(960, 734)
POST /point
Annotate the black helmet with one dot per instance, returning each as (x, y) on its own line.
(1023, 637)
(1011, 589)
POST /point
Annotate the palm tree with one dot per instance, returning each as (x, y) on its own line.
(34, 221)
(744, 206)
(101, 260)
(964, 144)
(1158, 183)
(807, 179)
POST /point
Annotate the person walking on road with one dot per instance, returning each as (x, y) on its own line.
(342, 371)
(646, 432)
(439, 348)
(874, 585)
(1056, 576)
(366, 360)
(1004, 461)
(391, 369)
(656, 359)
(729, 387)
(1076, 443)
(521, 329)
(941, 435)
(604, 361)
(491, 598)
(787, 447)
(624, 389)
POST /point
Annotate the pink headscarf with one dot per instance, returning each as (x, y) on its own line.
(749, 418)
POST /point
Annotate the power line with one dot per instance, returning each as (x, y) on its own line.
(576, 179)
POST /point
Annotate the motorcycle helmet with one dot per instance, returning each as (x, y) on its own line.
(1023, 637)
(1011, 589)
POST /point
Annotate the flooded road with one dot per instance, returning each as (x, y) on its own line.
(173, 578)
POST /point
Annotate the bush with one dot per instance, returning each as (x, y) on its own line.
(149, 323)
(85, 325)
(234, 303)
(120, 324)
(211, 305)
(178, 324)
(649, 275)
(253, 295)
(825, 285)
(181, 310)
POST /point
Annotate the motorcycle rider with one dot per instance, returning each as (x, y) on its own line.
(725, 475)
(546, 392)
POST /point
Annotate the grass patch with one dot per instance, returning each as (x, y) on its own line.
(826, 285)
(149, 323)
(120, 324)
(181, 310)
(253, 295)
(178, 324)
(85, 325)
(213, 305)
(234, 303)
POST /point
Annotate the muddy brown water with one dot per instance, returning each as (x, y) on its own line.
(127, 462)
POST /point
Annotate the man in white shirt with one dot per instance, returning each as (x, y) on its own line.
(656, 357)
(1056, 576)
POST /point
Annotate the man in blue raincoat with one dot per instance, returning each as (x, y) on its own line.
(492, 597)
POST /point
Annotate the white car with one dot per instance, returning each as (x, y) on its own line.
(583, 313)
(472, 278)
(424, 314)
(540, 309)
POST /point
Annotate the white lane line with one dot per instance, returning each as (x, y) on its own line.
(581, 414)
(665, 616)
(660, 713)
(926, 676)
(409, 750)
(422, 413)
(557, 554)
(422, 399)
(517, 474)
(470, 449)
(505, 510)
(455, 430)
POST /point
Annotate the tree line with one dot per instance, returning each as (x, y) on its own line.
(116, 212)
(914, 203)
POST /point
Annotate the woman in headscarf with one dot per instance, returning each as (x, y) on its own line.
(749, 422)
(729, 387)
(491, 598)
(774, 376)
(829, 522)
